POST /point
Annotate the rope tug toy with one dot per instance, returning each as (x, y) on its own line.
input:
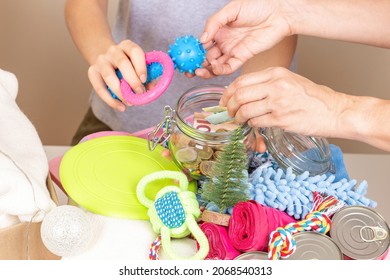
(282, 243)
(173, 214)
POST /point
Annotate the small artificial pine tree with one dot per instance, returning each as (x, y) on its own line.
(228, 182)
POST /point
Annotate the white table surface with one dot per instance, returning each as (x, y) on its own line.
(130, 239)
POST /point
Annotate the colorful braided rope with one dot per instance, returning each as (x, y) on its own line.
(282, 243)
(154, 248)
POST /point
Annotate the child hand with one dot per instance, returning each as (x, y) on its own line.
(129, 58)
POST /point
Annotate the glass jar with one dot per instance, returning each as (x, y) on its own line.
(301, 153)
(193, 142)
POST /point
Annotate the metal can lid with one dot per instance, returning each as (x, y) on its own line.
(254, 255)
(360, 232)
(315, 246)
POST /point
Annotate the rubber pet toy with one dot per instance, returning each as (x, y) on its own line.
(159, 64)
(293, 193)
(173, 214)
(187, 54)
(282, 243)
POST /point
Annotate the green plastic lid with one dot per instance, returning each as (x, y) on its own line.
(102, 175)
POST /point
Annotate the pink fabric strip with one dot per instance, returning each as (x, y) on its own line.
(251, 224)
(221, 247)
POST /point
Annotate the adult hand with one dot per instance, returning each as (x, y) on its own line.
(242, 29)
(129, 58)
(255, 141)
(277, 97)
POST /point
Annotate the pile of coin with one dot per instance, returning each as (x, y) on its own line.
(196, 158)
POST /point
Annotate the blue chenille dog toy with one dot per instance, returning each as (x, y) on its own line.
(187, 54)
(283, 190)
(293, 193)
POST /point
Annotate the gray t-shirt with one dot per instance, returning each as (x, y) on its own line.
(154, 25)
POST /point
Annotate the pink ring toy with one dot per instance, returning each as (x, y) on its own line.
(165, 80)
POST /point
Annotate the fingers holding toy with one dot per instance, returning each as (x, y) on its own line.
(128, 61)
(127, 58)
(101, 89)
(205, 73)
(131, 63)
(242, 29)
(160, 71)
(228, 54)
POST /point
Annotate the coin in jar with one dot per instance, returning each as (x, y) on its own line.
(206, 166)
(187, 154)
(205, 152)
(217, 154)
(219, 147)
(194, 165)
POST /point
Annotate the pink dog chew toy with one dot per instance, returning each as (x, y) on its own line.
(165, 80)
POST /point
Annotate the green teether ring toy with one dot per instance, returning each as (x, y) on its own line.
(173, 213)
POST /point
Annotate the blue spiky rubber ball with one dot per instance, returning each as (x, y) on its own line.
(154, 71)
(187, 54)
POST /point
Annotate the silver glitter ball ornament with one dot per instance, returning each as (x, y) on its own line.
(66, 231)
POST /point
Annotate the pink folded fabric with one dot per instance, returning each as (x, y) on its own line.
(221, 247)
(251, 224)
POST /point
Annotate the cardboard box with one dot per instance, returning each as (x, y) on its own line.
(23, 241)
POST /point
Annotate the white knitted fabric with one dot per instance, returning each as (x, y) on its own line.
(23, 162)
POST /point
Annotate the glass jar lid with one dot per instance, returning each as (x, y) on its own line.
(301, 153)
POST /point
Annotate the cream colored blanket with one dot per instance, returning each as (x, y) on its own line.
(23, 162)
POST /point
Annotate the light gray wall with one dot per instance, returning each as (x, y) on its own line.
(54, 89)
